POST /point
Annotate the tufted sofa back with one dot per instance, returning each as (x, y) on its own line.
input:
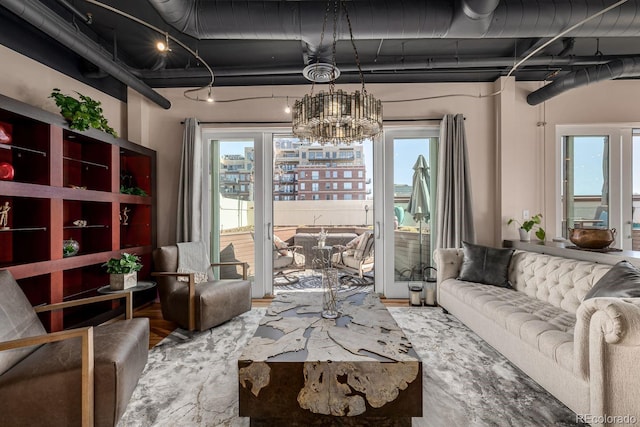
(562, 282)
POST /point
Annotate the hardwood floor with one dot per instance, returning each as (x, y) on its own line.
(160, 328)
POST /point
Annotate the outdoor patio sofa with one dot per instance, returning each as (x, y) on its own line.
(581, 347)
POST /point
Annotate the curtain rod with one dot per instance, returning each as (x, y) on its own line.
(426, 119)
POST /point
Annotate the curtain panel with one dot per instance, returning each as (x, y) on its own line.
(454, 216)
(190, 224)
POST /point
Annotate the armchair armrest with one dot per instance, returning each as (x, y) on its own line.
(192, 293)
(89, 300)
(87, 368)
(606, 351)
(244, 265)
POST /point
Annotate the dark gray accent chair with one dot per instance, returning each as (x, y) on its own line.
(83, 376)
(198, 306)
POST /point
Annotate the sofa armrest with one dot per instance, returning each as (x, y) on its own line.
(448, 263)
(87, 367)
(606, 352)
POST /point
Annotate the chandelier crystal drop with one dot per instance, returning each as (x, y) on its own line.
(337, 117)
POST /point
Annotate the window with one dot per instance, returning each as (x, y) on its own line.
(304, 154)
(360, 174)
(335, 174)
(327, 186)
(314, 186)
(360, 186)
(328, 197)
(348, 174)
(597, 180)
(348, 197)
(335, 197)
(335, 185)
(302, 186)
(348, 186)
(302, 174)
(586, 181)
(315, 197)
(315, 175)
(327, 174)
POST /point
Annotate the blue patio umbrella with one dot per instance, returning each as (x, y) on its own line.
(419, 201)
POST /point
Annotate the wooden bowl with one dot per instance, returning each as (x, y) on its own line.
(592, 238)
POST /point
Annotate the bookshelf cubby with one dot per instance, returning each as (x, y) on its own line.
(66, 185)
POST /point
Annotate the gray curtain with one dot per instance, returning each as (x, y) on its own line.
(190, 219)
(454, 216)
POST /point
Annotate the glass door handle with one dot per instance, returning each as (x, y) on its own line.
(268, 231)
(378, 229)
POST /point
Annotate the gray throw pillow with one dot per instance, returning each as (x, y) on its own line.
(483, 264)
(228, 254)
(622, 281)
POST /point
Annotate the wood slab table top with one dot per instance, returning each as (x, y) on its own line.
(300, 367)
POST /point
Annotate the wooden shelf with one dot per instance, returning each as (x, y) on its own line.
(61, 176)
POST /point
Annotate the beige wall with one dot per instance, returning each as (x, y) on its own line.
(511, 144)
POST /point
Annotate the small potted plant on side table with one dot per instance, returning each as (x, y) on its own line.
(123, 271)
(526, 227)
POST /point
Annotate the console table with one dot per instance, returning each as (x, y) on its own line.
(300, 369)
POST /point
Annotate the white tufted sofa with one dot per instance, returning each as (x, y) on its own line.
(586, 353)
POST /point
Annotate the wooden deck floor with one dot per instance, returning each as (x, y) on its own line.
(160, 328)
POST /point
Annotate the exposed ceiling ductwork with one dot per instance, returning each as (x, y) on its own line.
(258, 42)
(619, 68)
(52, 24)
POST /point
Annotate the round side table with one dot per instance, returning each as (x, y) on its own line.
(142, 285)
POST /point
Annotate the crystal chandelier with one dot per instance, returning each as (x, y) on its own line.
(336, 117)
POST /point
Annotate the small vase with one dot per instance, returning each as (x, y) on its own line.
(70, 248)
(524, 235)
(330, 293)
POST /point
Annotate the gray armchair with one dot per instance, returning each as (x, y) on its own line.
(82, 376)
(198, 306)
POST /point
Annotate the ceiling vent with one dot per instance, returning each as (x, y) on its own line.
(321, 72)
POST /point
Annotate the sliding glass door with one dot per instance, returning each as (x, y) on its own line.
(410, 184)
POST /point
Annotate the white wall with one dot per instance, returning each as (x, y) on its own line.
(511, 144)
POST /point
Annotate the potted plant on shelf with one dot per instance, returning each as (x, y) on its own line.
(82, 113)
(123, 271)
(528, 225)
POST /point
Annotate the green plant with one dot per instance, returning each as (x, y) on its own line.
(529, 224)
(81, 113)
(127, 263)
(136, 191)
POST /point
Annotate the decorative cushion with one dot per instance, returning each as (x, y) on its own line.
(362, 250)
(483, 264)
(228, 254)
(354, 242)
(622, 281)
(280, 244)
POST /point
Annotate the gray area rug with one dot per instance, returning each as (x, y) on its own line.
(192, 381)
(310, 281)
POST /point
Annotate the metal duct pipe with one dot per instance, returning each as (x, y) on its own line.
(47, 21)
(392, 19)
(479, 9)
(625, 67)
(431, 64)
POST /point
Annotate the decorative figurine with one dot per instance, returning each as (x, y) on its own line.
(124, 217)
(80, 223)
(4, 216)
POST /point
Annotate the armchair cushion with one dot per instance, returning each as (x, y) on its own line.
(17, 320)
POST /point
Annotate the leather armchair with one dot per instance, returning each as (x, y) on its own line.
(198, 306)
(75, 377)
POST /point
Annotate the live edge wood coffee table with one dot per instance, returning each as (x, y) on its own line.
(302, 370)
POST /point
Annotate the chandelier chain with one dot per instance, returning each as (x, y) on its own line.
(353, 44)
(324, 26)
(332, 83)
